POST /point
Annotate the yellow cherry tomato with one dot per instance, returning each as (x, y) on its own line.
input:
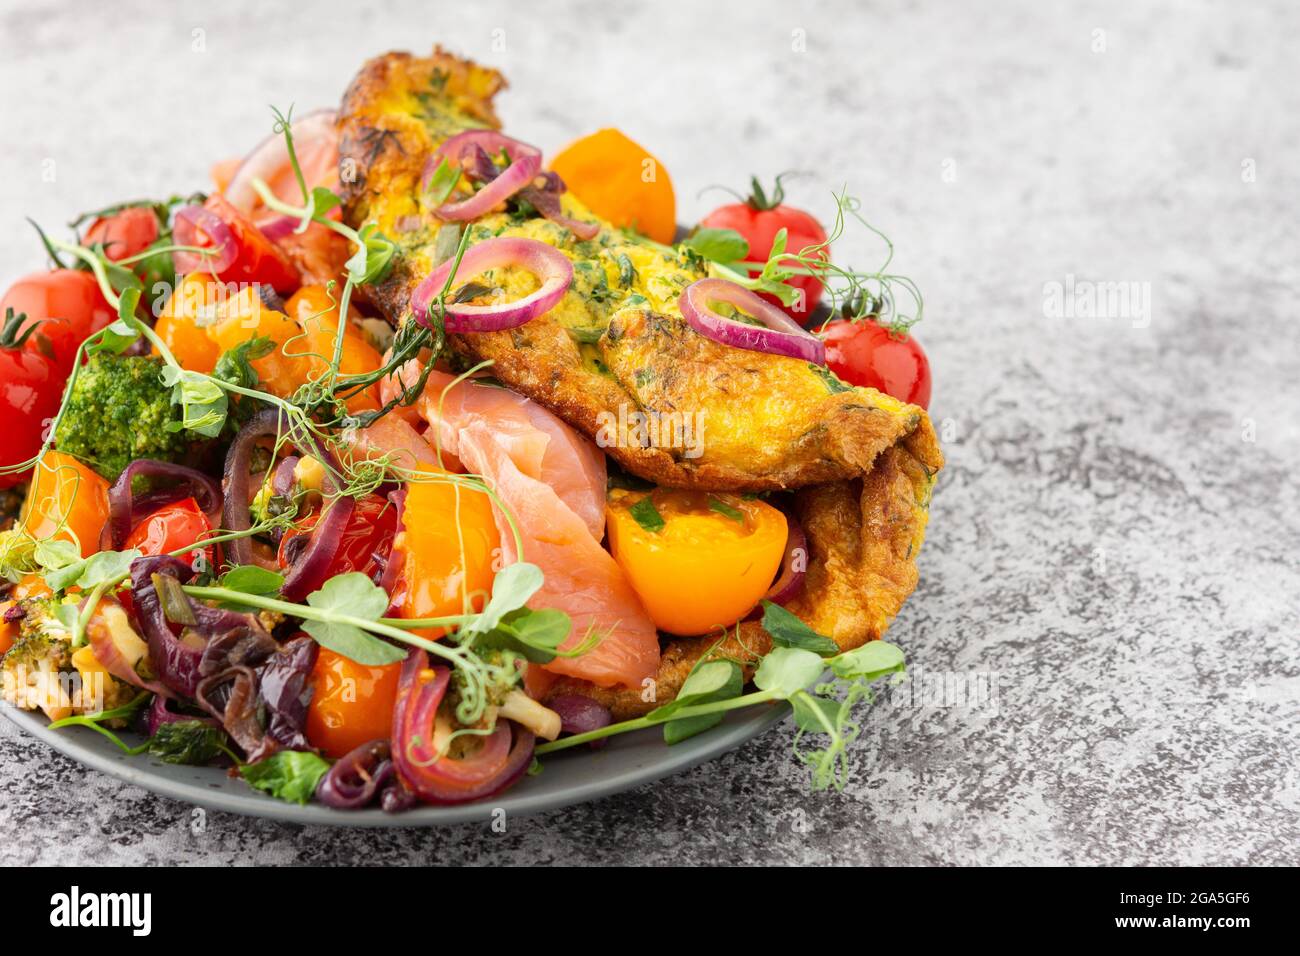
(448, 546)
(351, 703)
(184, 319)
(243, 316)
(66, 500)
(317, 314)
(697, 560)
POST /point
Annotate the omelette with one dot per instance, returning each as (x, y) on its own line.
(861, 465)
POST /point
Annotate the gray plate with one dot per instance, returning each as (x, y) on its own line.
(570, 777)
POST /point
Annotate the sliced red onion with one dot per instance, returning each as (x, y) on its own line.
(176, 662)
(395, 560)
(279, 227)
(580, 714)
(552, 268)
(282, 479)
(160, 712)
(272, 155)
(312, 566)
(525, 161)
(356, 778)
(546, 200)
(191, 221)
(794, 566)
(107, 653)
(126, 510)
(779, 334)
(502, 759)
(235, 515)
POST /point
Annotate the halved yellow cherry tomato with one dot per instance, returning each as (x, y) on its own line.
(66, 500)
(317, 314)
(697, 560)
(443, 522)
(184, 318)
(351, 704)
(243, 316)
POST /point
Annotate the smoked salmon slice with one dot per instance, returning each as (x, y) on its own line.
(553, 481)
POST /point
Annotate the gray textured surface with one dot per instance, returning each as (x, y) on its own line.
(1109, 551)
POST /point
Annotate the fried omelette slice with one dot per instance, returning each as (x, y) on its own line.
(864, 463)
(615, 358)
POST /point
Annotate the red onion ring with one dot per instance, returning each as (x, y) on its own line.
(177, 663)
(525, 162)
(548, 264)
(395, 561)
(357, 777)
(126, 510)
(234, 482)
(780, 336)
(789, 583)
(498, 763)
(279, 227)
(190, 222)
(272, 155)
(282, 479)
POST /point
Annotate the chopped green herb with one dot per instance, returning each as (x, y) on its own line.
(724, 509)
(647, 515)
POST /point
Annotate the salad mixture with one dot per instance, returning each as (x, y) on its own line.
(398, 459)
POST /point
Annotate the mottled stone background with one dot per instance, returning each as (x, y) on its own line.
(1113, 547)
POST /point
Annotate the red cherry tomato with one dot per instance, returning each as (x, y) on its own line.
(759, 219)
(170, 528)
(864, 353)
(257, 258)
(125, 233)
(31, 389)
(71, 300)
(368, 532)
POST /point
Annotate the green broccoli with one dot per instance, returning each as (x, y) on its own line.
(120, 410)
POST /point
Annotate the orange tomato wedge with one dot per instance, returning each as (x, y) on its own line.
(620, 182)
(698, 561)
(351, 703)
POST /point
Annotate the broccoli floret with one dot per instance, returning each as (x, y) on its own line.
(36, 668)
(42, 670)
(120, 410)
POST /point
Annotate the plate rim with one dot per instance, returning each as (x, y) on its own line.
(738, 727)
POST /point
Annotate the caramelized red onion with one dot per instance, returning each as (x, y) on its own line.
(107, 653)
(160, 712)
(311, 567)
(525, 161)
(579, 714)
(502, 758)
(126, 510)
(192, 222)
(794, 565)
(546, 200)
(552, 268)
(358, 777)
(176, 662)
(778, 335)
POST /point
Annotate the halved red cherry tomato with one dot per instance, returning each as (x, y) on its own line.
(369, 532)
(864, 353)
(170, 528)
(70, 299)
(759, 218)
(351, 703)
(125, 233)
(257, 258)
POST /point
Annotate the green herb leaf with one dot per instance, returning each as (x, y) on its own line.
(535, 634)
(511, 589)
(203, 402)
(788, 631)
(724, 509)
(234, 365)
(647, 515)
(187, 742)
(707, 683)
(323, 200)
(352, 595)
(446, 242)
(788, 670)
(97, 569)
(55, 553)
(443, 181)
(251, 579)
(373, 257)
(289, 775)
(872, 660)
(717, 245)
